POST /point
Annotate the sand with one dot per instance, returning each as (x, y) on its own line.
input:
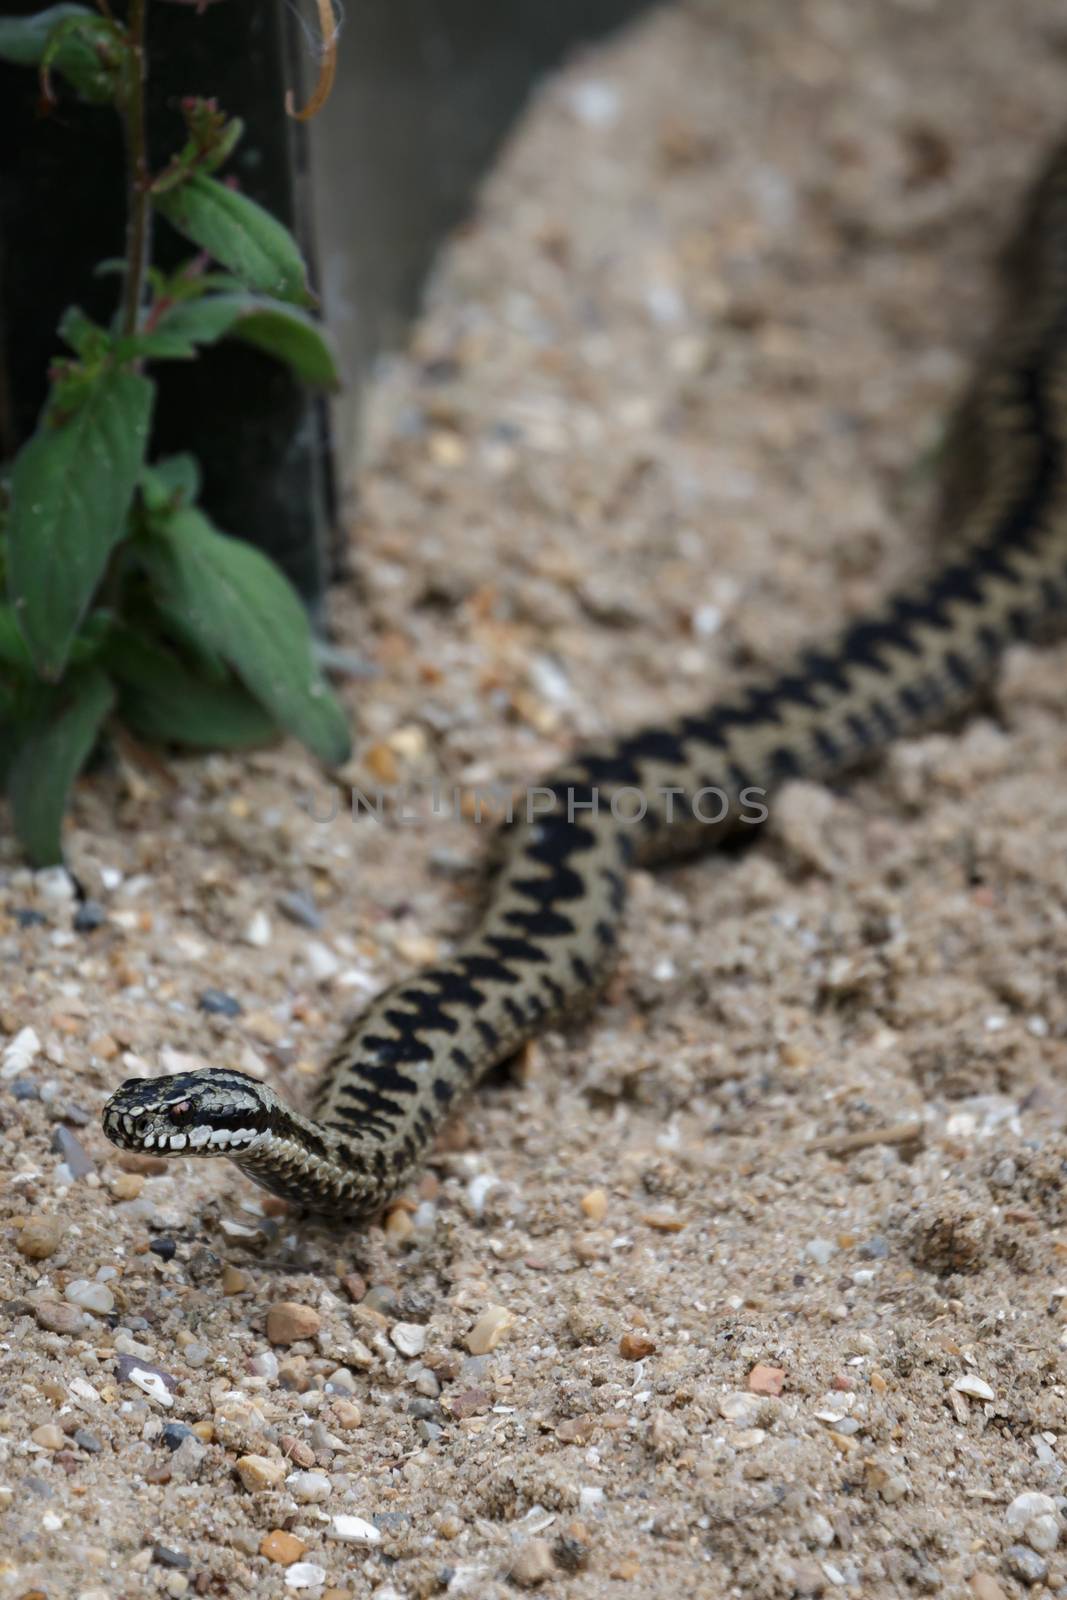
(751, 1283)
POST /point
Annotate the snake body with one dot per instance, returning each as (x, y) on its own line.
(552, 923)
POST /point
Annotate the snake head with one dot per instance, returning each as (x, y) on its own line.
(216, 1112)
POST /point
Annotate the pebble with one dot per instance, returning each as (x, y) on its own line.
(310, 1488)
(40, 1237)
(217, 1003)
(89, 916)
(265, 1365)
(471, 1403)
(95, 1297)
(87, 1441)
(196, 1354)
(164, 1248)
(305, 1575)
(348, 1415)
(76, 1158)
(409, 1338)
(54, 883)
(55, 1317)
(281, 1547)
(740, 1408)
(340, 1379)
(875, 1248)
(288, 1321)
(595, 1205)
(355, 1286)
(354, 1530)
(173, 1434)
(300, 908)
(636, 1346)
(985, 1587)
(234, 1281)
(489, 1329)
(533, 1563)
(49, 1437)
(26, 918)
(165, 1557)
(1025, 1564)
(766, 1380)
(260, 1472)
(126, 1185)
(188, 1459)
(971, 1384)
(821, 1251)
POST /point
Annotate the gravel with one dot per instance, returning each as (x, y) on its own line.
(671, 410)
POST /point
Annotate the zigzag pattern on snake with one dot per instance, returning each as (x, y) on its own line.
(552, 923)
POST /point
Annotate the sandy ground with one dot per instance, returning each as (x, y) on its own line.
(776, 1238)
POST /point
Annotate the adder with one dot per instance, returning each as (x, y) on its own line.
(551, 926)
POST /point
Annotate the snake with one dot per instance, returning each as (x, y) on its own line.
(550, 928)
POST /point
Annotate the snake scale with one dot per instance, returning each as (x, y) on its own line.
(551, 926)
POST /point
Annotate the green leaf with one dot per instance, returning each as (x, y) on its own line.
(71, 487)
(161, 700)
(212, 141)
(71, 39)
(23, 39)
(239, 234)
(86, 338)
(174, 480)
(12, 734)
(282, 330)
(48, 761)
(237, 602)
(13, 651)
(174, 629)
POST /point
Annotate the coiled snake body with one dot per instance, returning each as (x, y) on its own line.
(552, 922)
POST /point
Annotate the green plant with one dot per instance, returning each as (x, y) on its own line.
(118, 599)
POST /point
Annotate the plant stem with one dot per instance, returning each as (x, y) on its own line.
(137, 203)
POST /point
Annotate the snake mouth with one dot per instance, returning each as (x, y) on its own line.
(211, 1113)
(144, 1133)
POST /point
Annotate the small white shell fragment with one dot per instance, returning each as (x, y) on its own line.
(304, 1575)
(257, 932)
(355, 1531)
(1043, 1533)
(478, 1189)
(151, 1384)
(409, 1338)
(1026, 1506)
(82, 1390)
(322, 963)
(19, 1053)
(974, 1386)
(309, 1487)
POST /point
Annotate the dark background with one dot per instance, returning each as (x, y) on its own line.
(425, 91)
